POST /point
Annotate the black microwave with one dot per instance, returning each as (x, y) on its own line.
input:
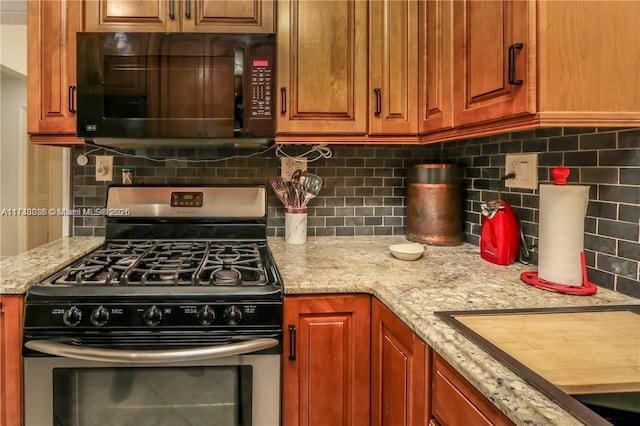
(175, 88)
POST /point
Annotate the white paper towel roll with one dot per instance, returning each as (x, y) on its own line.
(561, 235)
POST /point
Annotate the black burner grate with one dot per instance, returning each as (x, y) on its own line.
(145, 263)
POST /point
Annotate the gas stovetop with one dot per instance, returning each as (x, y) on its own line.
(171, 267)
(169, 263)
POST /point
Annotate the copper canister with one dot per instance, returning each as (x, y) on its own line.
(434, 204)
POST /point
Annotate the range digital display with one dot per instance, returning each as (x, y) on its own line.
(186, 199)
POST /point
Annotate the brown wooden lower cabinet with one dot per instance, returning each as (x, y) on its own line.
(326, 360)
(349, 360)
(456, 402)
(11, 360)
(399, 382)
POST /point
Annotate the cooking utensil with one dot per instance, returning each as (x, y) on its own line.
(311, 185)
(295, 183)
(296, 193)
(283, 191)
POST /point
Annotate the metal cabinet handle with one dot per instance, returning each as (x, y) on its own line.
(172, 9)
(512, 64)
(378, 93)
(283, 96)
(152, 356)
(72, 99)
(292, 342)
(187, 9)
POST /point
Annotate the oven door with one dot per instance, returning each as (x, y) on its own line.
(173, 387)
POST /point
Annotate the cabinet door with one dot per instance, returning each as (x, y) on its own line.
(51, 57)
(132, 15)
(11, 360)
(493, 73)
(232, 16)
(393, 65)
(399, 389)
(326, 361)
(322, 67)
(435, 87)
(456, 402)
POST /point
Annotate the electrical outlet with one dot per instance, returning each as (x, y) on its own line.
(290, 165)
(104, 168)
(525, 167)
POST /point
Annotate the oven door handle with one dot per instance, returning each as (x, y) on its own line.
(151, 356)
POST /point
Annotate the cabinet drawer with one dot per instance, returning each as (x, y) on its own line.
(456, 402)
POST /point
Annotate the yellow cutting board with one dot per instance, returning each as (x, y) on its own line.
(579, 352)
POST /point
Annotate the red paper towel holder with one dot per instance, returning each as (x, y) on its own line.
(560, 175)
(587, 287)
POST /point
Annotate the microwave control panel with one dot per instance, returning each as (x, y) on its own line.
(261, 88)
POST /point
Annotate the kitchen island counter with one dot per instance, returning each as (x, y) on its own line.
(444, 278)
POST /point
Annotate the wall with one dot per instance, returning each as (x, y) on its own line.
(364, 192)
(13, 97)
(13, 49)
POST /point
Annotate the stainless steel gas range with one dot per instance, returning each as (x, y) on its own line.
(176, 319)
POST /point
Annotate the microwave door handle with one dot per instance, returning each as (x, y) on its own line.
(150, 357)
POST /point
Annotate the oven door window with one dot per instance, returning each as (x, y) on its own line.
(216, 395)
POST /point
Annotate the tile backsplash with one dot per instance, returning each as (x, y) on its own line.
(365, 190)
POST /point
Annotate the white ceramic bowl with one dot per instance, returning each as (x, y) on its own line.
(411, 251)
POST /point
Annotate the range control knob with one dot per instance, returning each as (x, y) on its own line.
(206, 315)
(232, 315)
(152, 316)
(72, 316)
(100, 316)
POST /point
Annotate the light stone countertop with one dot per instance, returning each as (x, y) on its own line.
(17, 273)
(444, 278)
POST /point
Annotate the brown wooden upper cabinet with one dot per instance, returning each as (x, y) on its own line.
(51, 59)
(444, 70)
(521, 65)
(588, 63)
(323, 73)
(435, 66)
(491, 68)
(322, 67)
(393, 67)
(231, 16)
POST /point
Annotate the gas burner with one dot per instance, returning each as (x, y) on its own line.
(239, 264)
(227, 276)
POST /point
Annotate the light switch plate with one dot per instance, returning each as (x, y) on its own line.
(525, 167)
(104, 168)
(289, 165)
